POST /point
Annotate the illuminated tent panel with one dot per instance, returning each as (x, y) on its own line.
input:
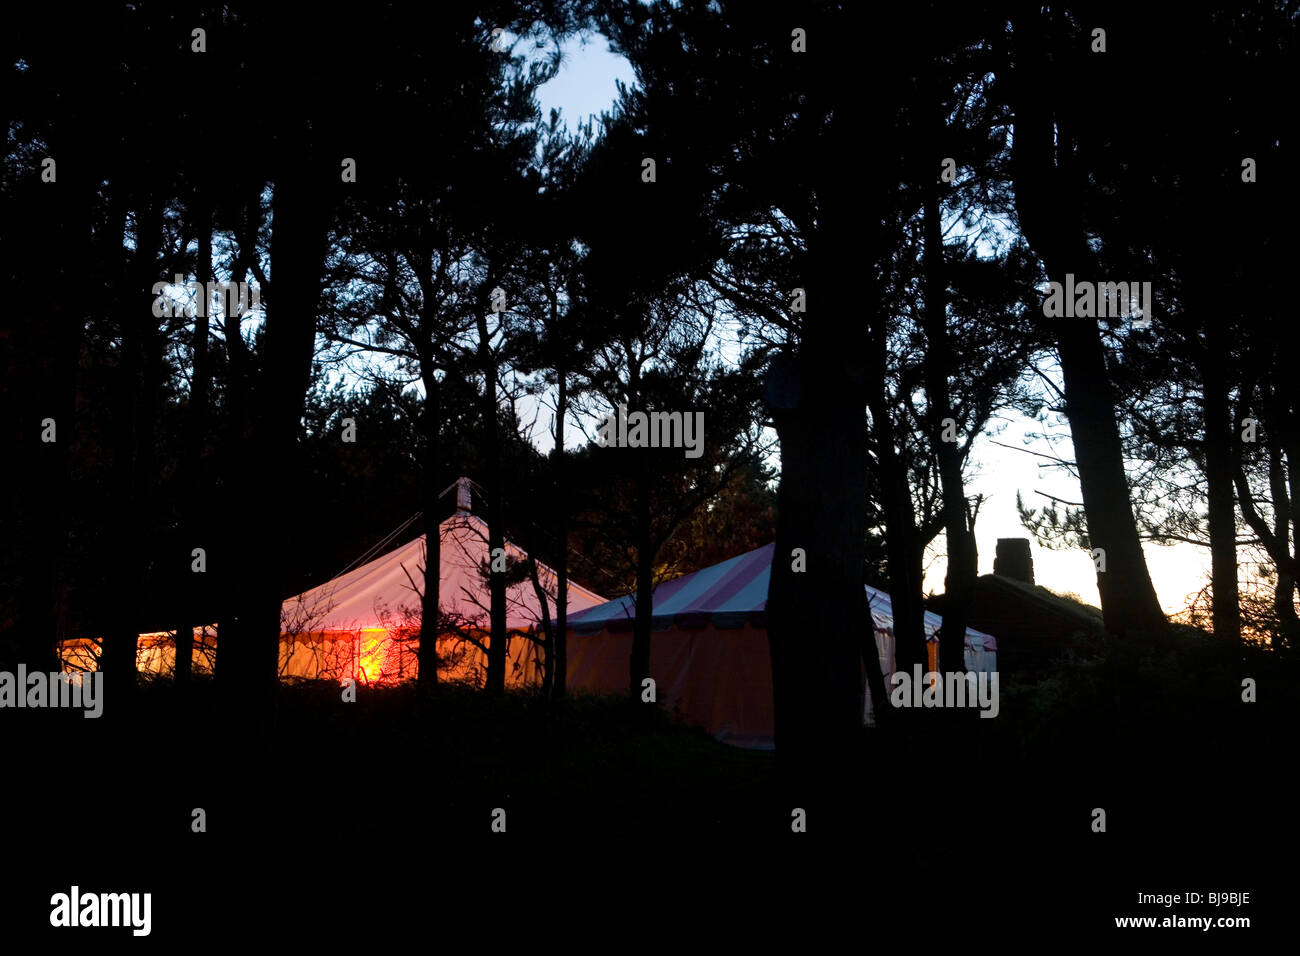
(364, 624)
(709, 653)
(372, 613)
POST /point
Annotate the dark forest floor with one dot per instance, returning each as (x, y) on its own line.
(950, 823)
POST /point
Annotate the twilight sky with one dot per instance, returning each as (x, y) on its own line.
(586, 85)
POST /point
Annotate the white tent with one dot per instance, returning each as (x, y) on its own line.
(365, 623)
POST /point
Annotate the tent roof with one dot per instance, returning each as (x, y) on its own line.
(730, 594)
(387, 591)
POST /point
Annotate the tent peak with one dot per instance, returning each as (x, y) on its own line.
(464, 495)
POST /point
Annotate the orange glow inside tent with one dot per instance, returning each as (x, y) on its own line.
(365, 623)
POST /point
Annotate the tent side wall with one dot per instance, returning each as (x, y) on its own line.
(371, 655)
(718, 678)
(154, 653)
(376, 655)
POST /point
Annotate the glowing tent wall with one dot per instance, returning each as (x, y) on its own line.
(364, 623)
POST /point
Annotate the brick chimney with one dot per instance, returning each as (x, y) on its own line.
(1014, 560)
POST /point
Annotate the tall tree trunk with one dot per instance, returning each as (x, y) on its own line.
(298, 243)
(1291, 448)
(963, 557)
(1048, 190)
(191, 494)
(133, 439)
(906, 573)
(40, 343)
(902, 539)
(497, 656)
(1128, 599)
(234, 452)
(815, 597)
(817, 393)
(1205, 294)
(560, 647)
(1284, 595)
(430, 621)
(1226, 601)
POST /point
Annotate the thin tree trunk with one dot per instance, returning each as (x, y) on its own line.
(430, 626)
(497, 656)
(1226, 606)
(1284, 595)
(191, 470)
(963, 557)
(234, 450)
(643, 622)
(871, 663)
(901, 542)
(561, 662)
(548, 634)
(1291, 448)
(132, 434)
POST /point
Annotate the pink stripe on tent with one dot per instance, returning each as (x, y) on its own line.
(728, 595)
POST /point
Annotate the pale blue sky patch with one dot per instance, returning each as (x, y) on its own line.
(587, 83)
